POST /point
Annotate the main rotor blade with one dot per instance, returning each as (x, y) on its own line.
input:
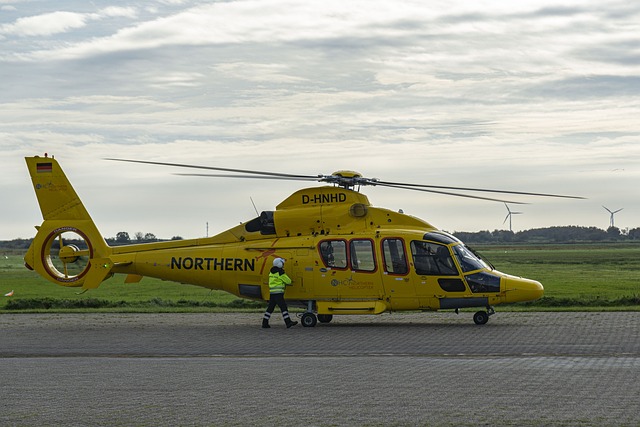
(263, 173)
(486, 190)
(211, 175)
(469, 196)
(349, 182)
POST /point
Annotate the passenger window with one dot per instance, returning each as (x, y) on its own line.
(395, 260)
(334, 253)
(432, 259)
(362, 257)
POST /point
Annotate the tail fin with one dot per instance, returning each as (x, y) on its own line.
(57, 198)
(68, 248)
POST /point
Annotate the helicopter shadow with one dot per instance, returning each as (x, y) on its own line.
(428, 324)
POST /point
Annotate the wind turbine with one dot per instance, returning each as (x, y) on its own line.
(612, 213)
(508, 217)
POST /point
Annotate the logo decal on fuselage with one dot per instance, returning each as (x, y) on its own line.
(215, 264)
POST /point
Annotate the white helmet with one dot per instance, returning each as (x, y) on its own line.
(278, 262)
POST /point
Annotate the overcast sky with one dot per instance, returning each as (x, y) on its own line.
(523, 95)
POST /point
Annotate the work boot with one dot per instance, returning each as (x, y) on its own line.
(265, 323)
(291, 323)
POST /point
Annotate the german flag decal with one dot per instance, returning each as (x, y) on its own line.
(44, 168)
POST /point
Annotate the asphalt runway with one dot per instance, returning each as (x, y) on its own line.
(397, 369)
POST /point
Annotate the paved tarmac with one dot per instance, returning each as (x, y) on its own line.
(400, 369)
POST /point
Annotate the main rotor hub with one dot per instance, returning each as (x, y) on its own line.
(348, 179)
(347, 174)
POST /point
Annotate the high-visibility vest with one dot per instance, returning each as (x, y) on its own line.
(277, 282)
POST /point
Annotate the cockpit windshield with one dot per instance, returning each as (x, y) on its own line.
(468, 260)
(432, 259)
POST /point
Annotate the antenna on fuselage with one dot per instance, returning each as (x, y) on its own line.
(254, 206)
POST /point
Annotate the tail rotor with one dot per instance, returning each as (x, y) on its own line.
(67, 263)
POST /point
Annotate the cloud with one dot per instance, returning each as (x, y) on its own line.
(115, 12)
(248, 21)
(48, 24)
(272, 73)
(588, 87)
(523, 95)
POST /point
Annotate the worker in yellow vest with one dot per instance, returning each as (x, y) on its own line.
(278, 280)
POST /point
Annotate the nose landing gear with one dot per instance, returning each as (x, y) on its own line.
(482, 317)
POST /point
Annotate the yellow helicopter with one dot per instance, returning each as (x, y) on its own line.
(344, 255)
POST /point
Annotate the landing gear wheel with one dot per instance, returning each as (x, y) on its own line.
(309, 320)
(325, 318)
(481, 317)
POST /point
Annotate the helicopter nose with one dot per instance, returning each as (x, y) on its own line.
(521, 289)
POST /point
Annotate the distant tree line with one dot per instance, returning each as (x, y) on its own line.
(122, 238)
(562, 234)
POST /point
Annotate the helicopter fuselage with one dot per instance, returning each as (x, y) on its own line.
(353, 259)
(344, 255)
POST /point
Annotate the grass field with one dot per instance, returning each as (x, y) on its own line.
(581, 275)
(576, 276)
(113, 295)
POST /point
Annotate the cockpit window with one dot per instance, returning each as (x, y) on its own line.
(483, 282)
(468, 260)
(440, 237)
(432, 259)
(334, 253)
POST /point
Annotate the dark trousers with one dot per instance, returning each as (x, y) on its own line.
(277, 299)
